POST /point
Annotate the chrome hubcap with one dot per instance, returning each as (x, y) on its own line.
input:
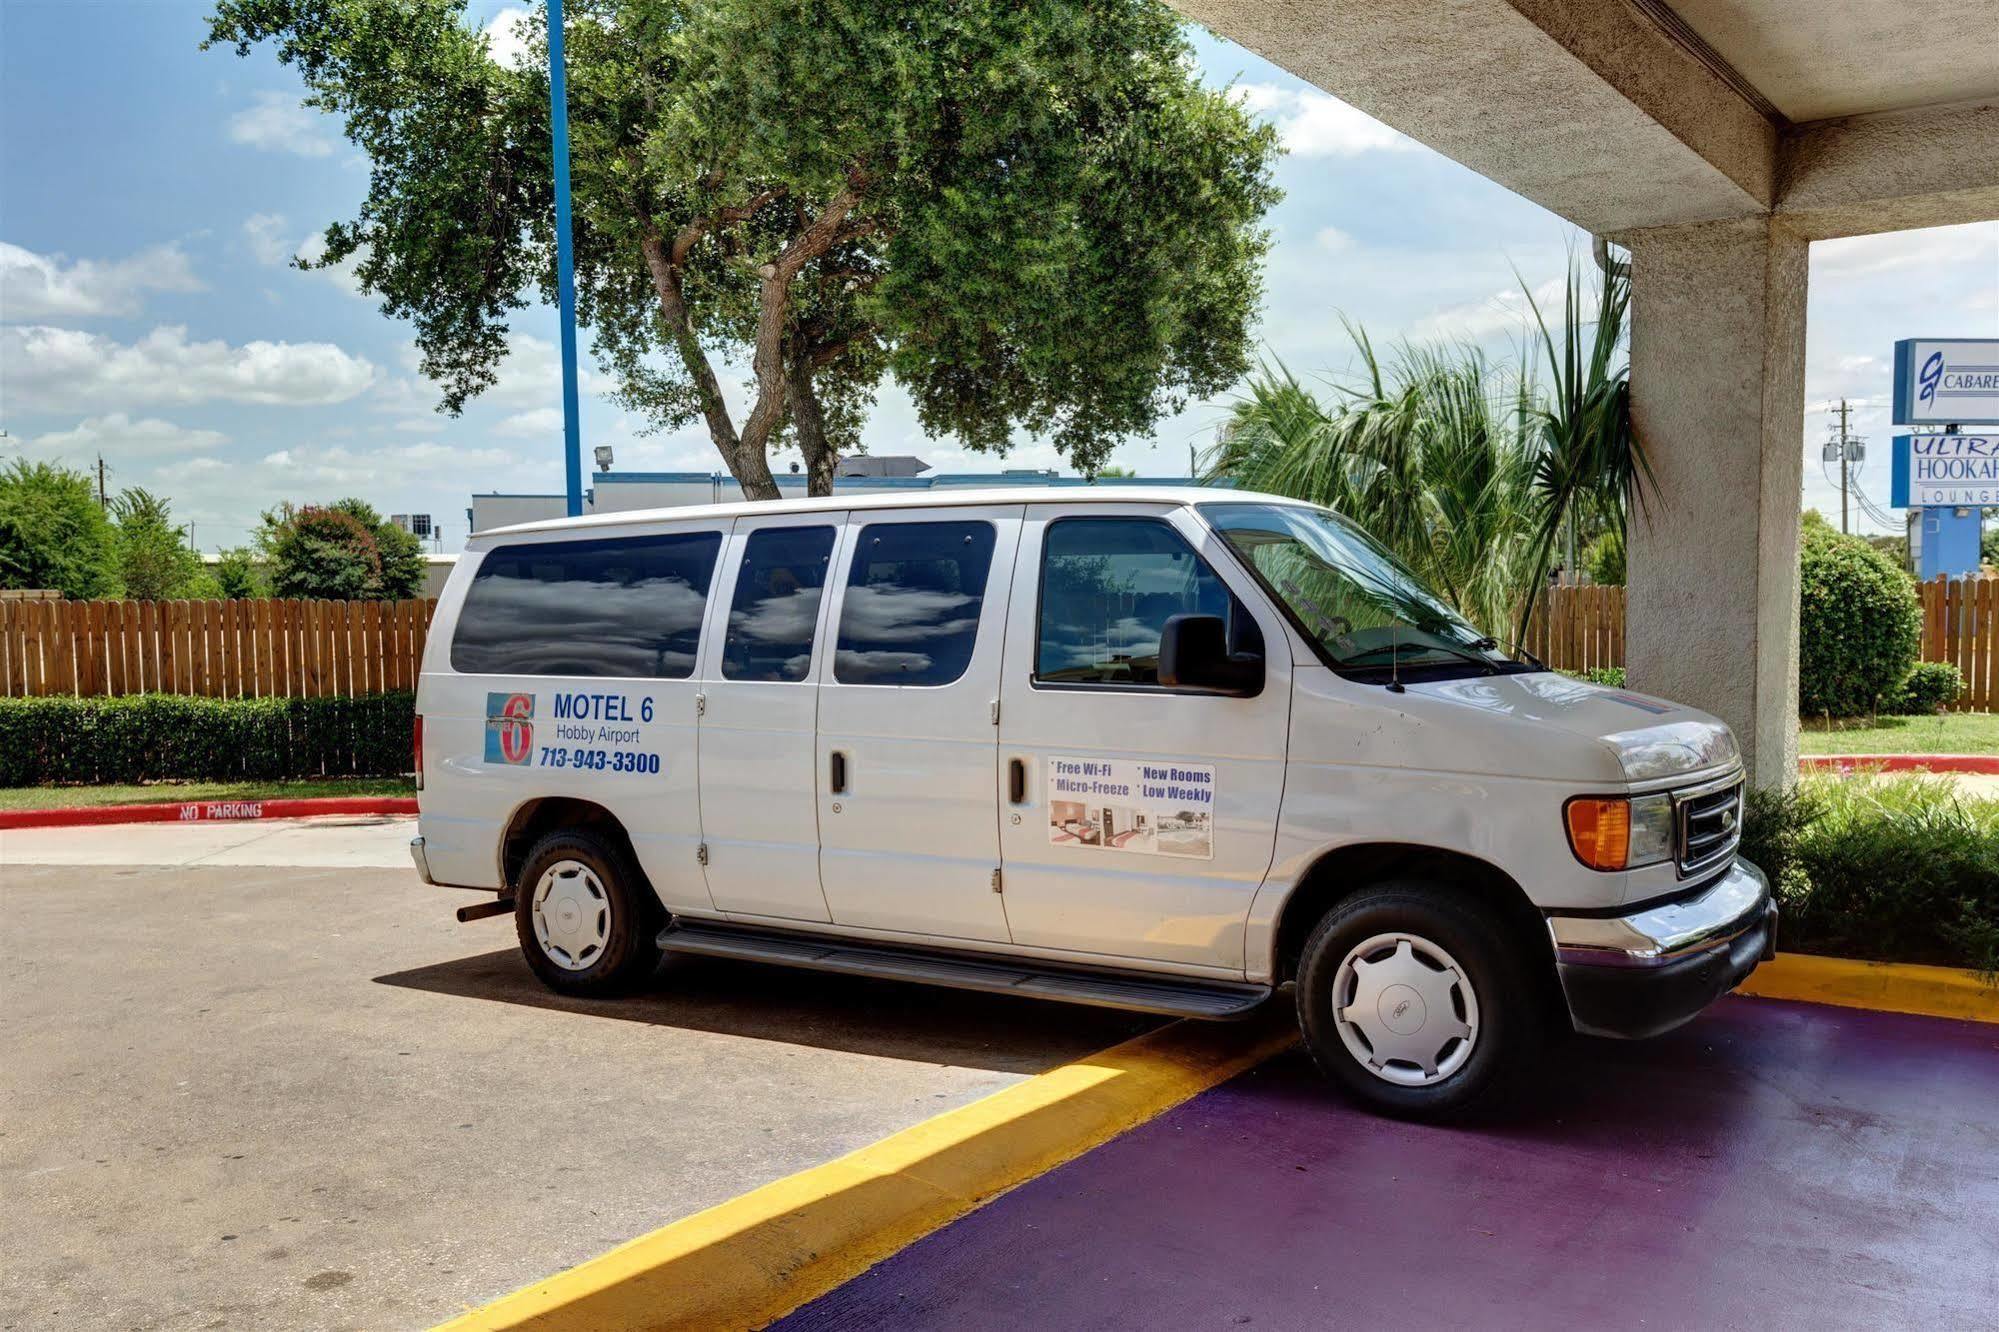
(572, 915)
(1405, 1009)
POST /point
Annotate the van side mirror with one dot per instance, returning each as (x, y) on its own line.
(1194, 654)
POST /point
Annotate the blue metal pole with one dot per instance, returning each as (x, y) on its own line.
(565, 271)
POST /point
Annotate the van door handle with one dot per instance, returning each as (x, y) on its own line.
(1016, 781)
(839, 773)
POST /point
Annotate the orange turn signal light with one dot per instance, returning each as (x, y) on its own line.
(1600, 831)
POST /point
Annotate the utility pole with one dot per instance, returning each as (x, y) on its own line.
(101, 502)
(1842, 464)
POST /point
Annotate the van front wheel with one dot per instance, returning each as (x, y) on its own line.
(585, 919)
(1410, 1000)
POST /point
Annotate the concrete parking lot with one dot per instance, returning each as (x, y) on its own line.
(266, 1080)
(256, 1076)
(1771, 1165)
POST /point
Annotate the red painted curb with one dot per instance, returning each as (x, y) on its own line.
(205, 811)
(1986, 763)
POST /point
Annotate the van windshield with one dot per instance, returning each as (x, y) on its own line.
(1365, 609)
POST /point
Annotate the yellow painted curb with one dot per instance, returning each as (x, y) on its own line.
(757, 1257)
(1895, 987)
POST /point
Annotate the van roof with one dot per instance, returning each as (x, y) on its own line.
(924, 499)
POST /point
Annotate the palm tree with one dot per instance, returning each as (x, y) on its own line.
(1590, 466)
(1469, 471)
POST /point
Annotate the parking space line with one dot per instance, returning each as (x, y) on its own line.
(1892, 987)
(756, 1257)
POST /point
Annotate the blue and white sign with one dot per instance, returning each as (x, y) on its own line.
(1947, 381)
(1946, 472)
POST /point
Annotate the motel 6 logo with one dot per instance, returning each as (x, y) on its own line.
(509, 728)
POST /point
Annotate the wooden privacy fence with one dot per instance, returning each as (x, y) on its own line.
(216, 649)
(1578, 628)
(1961, 626)
(1582, 628)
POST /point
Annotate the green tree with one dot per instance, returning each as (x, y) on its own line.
(53, 532)
(1031, 216)
(401, 553)
(1603, 558)
(154, 558)
(240, 574)
(1988, 541)
(341, 552)
(1472, 472)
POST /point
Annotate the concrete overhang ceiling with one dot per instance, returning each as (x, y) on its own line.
(1837, 117)
(1817, 59)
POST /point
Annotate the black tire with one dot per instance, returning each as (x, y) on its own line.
(627, 951)
(1511, 1027)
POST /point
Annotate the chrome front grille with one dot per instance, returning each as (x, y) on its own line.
(1708, 824)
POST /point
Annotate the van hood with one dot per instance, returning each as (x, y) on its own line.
(1650, 737)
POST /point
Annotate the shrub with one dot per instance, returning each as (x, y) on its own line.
(1893, 869)
(1860, 623)
(1605, 675)
(1931, 686)
(153, 737)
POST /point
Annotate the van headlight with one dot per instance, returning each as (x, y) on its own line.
(1620, 832)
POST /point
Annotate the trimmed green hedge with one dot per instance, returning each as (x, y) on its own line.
(1860, 624)
(151, 737)
(1884, 868)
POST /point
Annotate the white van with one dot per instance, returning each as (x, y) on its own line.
(1161, 749)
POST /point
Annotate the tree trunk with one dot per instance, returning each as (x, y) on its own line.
(808, 424)
(747, 463)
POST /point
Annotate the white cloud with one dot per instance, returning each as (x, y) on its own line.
(1505, 311)
(120, 438)
(1313, 124)
(391, 469)
(343, 274)
(507, 37)
(265, 234)
(37, 286)
(1332, 240)
(540, 422)
(65, 369)
(529, 378)
(1893, 251)
(275, 123)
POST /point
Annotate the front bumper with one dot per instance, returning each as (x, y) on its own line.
(1648, 972)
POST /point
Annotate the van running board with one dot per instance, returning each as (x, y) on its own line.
(1145, 994)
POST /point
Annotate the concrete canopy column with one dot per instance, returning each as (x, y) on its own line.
(1717, 400)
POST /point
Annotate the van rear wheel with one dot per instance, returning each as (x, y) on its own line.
(587, 923)
(1410, 999)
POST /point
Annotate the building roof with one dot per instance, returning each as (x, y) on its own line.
(952, 497)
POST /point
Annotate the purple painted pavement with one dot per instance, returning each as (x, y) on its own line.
(1771, 1165)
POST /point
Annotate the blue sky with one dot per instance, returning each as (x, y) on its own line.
(151, 194)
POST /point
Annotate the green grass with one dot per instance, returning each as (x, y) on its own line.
(152, 793)
(1946, 733)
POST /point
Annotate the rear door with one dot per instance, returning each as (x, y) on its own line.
(759, 813)
(1138, 820)
(908, 798)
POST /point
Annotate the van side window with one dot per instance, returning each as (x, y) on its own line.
(910, 615)
(776, 604)
(1108, 586)
(625, 606)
